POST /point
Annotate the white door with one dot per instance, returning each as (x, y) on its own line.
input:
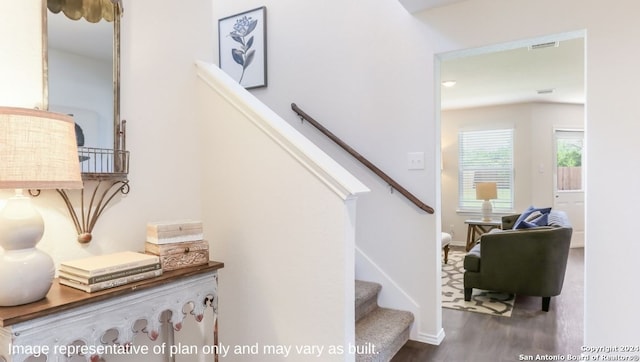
(569, 180)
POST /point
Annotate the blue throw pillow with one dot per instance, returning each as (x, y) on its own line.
(524, 222)
(543, 220)
(523, 216)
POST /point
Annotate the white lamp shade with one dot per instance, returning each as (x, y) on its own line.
(486, 190)
(38, 150)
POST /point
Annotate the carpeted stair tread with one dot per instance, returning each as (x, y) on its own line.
(366, 298)
(386, 329)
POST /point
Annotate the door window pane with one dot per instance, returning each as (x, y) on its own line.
(569, 146)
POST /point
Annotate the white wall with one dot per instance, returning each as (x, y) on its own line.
(611, 128)
(545, 118)
(159, 47)
(287, 239)
(362, 69)
(21, 49)
(533, 125)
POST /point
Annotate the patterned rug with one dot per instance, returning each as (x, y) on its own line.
(482, 301)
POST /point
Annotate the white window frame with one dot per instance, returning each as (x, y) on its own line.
(496, 168)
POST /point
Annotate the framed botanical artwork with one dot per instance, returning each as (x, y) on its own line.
(242, 42)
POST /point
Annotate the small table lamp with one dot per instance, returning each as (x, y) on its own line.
(38, 151)
(486, 191)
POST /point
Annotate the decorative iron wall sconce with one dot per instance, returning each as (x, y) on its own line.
(100, 198)
(106, 171)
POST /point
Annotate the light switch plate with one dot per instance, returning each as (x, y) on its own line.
(415, 160)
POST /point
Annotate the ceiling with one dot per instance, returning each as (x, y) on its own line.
(516, 76)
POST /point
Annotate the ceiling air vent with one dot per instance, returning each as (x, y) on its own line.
(551, 44)
(545, 91)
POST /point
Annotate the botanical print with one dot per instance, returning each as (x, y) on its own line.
(242, 47)
(241, 30)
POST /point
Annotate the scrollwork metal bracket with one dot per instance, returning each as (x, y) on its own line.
(89, 214)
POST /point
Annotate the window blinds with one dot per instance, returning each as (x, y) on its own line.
(485, 156)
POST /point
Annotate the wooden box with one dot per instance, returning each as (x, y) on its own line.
(180, 255)
(174, 231)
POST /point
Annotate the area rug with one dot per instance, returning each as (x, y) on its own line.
(482, 301)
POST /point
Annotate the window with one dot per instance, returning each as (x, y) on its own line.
(569, 147)
(485, 156)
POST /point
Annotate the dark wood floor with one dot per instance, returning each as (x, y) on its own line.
(529, 331)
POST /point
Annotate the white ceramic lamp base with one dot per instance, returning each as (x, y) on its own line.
(25, 276)
(26, 273)
(487, 210)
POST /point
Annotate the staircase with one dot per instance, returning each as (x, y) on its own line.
(380, 332)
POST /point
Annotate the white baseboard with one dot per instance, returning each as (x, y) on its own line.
(430, 338)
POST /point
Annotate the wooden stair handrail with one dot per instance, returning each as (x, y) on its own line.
(392, 183)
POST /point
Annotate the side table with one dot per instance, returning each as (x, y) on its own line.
(67, 315)
(478, 227)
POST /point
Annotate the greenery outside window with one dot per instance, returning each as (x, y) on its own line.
(569, 146)
(485, 156)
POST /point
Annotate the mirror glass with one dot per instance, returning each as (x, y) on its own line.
(80, 76)
(83, 80)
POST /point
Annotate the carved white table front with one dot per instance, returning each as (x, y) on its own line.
(68, 317)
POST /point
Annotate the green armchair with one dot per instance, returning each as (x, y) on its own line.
(523, 261)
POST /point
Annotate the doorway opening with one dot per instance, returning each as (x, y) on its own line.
(535, 87)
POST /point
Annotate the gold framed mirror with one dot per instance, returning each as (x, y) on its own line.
(82, 78)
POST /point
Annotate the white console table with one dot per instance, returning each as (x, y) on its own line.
(68, 316)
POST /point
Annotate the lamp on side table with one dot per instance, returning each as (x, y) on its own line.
(486, 191)
(38, 151)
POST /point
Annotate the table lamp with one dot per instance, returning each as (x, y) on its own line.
(486, 191)
(38, 151)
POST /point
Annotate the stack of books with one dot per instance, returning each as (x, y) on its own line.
(101, 272)
(178, 244)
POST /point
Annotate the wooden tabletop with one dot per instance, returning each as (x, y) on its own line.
(61, 297)
(483, 222)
